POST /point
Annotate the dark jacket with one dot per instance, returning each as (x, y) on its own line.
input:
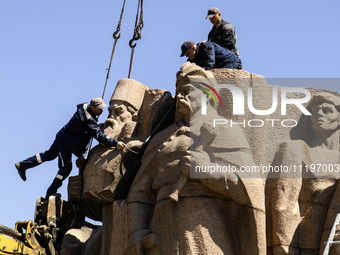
(210, 55)
(224, 35)
(77, 133)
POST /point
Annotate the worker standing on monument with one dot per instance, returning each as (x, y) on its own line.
(222, 32)
(73, 138)
(209, 55)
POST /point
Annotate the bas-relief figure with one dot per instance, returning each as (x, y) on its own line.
(135, 113)
(299, 201)
(214, 214)
(102, 174)
(172, 210)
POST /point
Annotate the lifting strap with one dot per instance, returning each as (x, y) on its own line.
(116, 37)
(137, 32)
(139, 24)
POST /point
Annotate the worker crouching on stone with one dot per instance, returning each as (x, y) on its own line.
(209, 55)
(73, 138)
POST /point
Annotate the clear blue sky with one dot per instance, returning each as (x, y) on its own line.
(54, 55)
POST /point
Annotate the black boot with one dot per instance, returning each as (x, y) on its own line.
(56, 184)
(21, 171)
(30, 162)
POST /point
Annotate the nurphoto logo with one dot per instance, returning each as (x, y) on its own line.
(238, 99)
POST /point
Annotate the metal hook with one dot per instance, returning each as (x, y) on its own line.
(130, 43)
(115, 34)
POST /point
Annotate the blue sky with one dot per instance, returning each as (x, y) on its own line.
(54, 55)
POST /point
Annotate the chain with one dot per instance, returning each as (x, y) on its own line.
(137, 32)
(116, 37)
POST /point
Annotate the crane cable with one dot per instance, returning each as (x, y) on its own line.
(116, 37)
(136, 36)
(137, 32)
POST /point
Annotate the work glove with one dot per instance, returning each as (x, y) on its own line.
(120, 145)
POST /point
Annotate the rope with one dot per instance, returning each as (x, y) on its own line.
(154, 130)
(139, 24)
(116, 37)
(137, 32)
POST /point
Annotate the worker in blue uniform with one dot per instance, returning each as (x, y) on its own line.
(223, 33)
(73, 138)
(210, 55)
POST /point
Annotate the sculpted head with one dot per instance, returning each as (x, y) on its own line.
(188, 96)
(325, 110)
(123, 110)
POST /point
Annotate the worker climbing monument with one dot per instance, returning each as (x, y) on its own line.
(228, 164)
(227, 211)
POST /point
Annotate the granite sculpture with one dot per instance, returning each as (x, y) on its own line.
(171, 209)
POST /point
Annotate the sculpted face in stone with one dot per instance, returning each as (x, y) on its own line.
(325, 117)
(124, 106)
(201, 221)
(294, 203)
(102, 172)
(120, 113)
(188, 99)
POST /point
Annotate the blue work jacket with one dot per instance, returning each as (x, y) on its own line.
(210, 55)
(77, 133)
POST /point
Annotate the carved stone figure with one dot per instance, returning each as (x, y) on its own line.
(101, 174)
(214, 214)
(299, 200)
(172, 209)
(134, 113)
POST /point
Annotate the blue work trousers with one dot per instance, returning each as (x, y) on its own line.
(56, 150)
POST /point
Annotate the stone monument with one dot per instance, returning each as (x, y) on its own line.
(176, 206)
(299, 200)
(218, 214)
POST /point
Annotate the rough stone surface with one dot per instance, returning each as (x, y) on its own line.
(115, 239)
(214, 214)
(221, 215)
(102, 172)
(298, 202)
(132, 114)
(74, 241)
